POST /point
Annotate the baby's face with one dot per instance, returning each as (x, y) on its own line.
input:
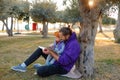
(57, 39)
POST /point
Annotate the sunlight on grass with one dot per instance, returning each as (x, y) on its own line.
(106, 49)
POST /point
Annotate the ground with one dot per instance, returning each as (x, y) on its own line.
(14, 50)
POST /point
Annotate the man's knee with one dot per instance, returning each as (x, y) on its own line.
(39, 73)
(42, 72)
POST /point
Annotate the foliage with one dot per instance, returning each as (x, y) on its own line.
(108, 20)
(60, 16)
(13, 8)
(20, 10)
(72, 13)
(4, 8)
(43, 12)
(118, 40)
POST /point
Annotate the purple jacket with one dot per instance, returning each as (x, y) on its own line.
(70, 54)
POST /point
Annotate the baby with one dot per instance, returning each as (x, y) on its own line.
(57, 47)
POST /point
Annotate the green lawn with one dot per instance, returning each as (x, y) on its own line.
(14, 50)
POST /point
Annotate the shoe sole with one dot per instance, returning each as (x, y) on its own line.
(19, 70)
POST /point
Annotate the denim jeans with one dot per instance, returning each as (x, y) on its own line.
(45, 70)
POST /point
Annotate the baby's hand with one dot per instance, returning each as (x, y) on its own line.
(46, 51)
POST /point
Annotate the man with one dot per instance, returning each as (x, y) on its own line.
(63, 63)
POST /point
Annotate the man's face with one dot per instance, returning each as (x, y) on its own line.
(62, 37)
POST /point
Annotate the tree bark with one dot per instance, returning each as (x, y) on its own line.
(45, 30)
(3, 27)
(9, 31)
(100, 24)
(85, 63)
(18, 31)
(116, 32)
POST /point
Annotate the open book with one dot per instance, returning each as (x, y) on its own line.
(41, 47)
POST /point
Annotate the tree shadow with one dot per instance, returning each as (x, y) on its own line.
(105, 35)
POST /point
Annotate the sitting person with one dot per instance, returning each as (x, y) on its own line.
(57, 47)
(63, 63)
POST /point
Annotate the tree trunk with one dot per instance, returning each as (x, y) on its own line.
(3, 27)
(85, 63)
(100, 24)
(9, 31)
(73, 24)
(116, 32)
(18, 31)
(45, 30)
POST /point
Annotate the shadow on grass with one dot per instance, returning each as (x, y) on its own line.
(105, 35)
(29, 75)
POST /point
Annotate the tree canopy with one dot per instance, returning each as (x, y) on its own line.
(13, 9)
(43, 12)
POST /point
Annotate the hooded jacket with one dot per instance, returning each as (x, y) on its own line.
(70, 54)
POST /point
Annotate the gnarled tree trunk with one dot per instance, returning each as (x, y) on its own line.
(3, 27)
(116, 32)
(45, 30)
(90, 16)
(9, 31)
(100, 24)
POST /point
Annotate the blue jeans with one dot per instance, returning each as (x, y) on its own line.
(45, 70)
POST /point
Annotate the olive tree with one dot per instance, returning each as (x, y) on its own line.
(90, 11)
(11, 9)
(44, 12)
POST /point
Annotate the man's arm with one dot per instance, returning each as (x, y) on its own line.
(54, 55)
(51, 52)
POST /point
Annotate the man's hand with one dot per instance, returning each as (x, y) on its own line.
(52, 53)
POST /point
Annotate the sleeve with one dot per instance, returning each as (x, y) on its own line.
(61, 49)
(54, 45)
(69, 55)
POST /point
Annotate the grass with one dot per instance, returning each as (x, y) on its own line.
(14, 50)
(107, 58)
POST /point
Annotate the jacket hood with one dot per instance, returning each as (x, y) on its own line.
(72, 37)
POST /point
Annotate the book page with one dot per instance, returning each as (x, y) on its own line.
(41, 47)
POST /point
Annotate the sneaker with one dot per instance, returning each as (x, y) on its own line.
(19, 68)
(36, 66)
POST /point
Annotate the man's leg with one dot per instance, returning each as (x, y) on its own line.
(35, 56)
(31, 59)
(44, 71)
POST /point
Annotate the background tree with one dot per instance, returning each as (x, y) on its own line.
(116, 32)
(72, 13)
(11, 9)
(108, 21)
(20, 10)
(44, 12)
(100, 24)
(4, 12)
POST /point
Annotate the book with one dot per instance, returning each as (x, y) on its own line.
(41, 47)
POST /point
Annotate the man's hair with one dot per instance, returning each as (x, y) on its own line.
(65, 31)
